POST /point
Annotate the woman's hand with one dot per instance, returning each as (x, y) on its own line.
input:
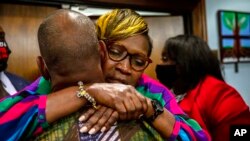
(100, 119)
(124, 99)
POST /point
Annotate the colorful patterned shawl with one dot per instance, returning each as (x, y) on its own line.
(23, 115)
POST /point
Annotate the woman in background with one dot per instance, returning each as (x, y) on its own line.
(193, 73)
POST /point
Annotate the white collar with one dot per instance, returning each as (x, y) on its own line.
(7, 85)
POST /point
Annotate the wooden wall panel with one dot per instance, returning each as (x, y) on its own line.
(172, 6)
(20, 23)
(199, 20)
(160, 29)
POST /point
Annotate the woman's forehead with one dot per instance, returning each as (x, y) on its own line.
(137, 44)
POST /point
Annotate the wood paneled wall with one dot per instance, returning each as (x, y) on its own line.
(199, 20)
(20, 23)
(160, 29)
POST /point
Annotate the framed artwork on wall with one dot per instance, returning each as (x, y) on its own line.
(234, 36)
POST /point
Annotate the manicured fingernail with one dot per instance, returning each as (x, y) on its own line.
(82, 118)
(83, 129)
(103, 129)
(92, 131)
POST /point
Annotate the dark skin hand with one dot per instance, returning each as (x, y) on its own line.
(122, 98)
(126, 107)
(103, 118)
(123, 102)
(100, 119)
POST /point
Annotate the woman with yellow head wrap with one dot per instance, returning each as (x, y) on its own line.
(125, 52)
(126, 48)
(120, 24)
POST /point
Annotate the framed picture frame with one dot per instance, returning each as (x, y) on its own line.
(234, 36)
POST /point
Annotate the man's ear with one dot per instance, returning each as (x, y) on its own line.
(43, 67)
(102, 49)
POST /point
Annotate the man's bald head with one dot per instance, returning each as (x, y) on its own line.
(67, 40)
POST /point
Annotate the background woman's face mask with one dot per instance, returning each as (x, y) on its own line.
(4, 52)
(166, 74)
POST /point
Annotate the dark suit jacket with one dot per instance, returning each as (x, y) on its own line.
(18, 82)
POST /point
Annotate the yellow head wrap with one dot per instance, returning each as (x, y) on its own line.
(120, 24)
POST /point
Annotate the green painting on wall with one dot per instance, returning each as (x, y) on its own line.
(234, 36)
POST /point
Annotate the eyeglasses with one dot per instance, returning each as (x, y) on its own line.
(118, 53)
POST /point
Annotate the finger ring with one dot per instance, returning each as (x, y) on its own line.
(140, 116)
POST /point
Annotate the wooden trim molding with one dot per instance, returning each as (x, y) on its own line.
(171, 6)
(199, 20)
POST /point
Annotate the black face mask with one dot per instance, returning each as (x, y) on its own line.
(3, 65)
(166, 74)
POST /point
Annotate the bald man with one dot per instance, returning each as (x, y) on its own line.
(69, 54)
(63, 61)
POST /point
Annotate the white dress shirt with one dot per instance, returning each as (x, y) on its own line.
(7, 85)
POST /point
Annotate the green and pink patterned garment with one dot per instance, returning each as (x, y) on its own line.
(22, 116)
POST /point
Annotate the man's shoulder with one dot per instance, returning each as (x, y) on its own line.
(40, 85)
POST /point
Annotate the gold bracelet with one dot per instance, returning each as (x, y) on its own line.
(82, 93)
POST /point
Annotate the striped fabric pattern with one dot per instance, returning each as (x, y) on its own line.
(110, 135)
(29, 110)
(26, 113)
(58, 130)
(66, 129)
